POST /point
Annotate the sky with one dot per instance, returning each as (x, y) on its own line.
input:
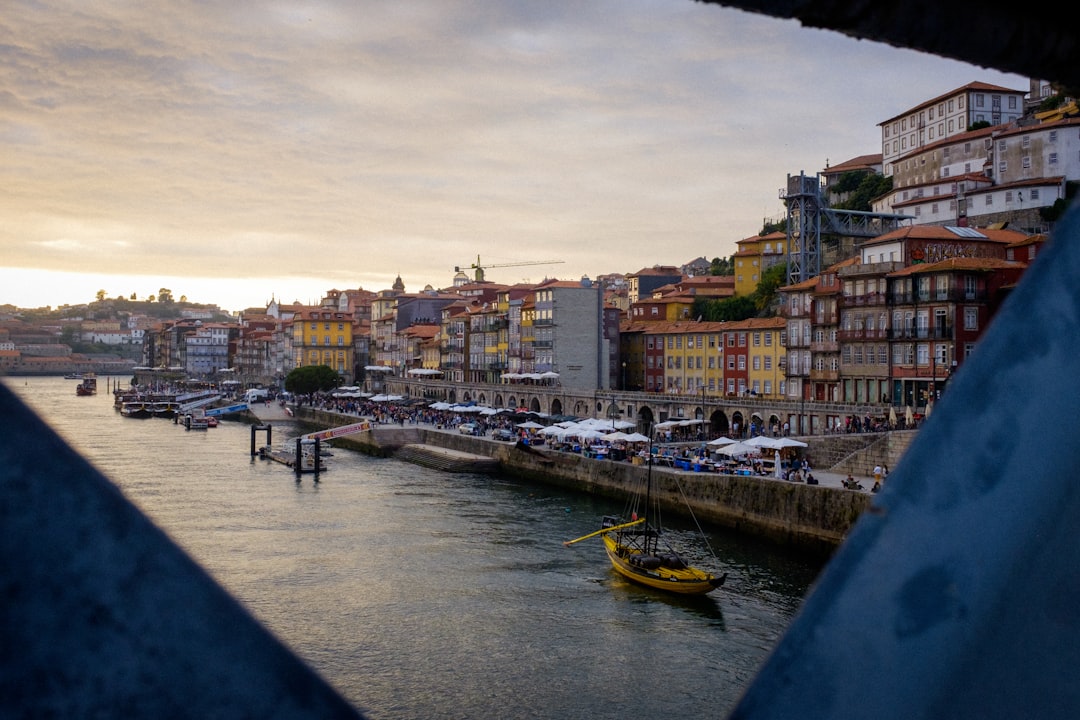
(240, 151)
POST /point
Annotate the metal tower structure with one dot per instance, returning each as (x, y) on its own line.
(808, 216)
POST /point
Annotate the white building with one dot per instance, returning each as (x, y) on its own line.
(947, 115)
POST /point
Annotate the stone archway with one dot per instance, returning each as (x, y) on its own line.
(498, 401)
(556, 407)
(646, 419)
(513, 403)
(718, 423)
(466, 397)
(534, 405)
(481, 399)
(451, 397)
(738, 425)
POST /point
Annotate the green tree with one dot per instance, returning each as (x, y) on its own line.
(739, 307)
(100, 296)
(165, 295)
(861, 187)
(764, 296)
(311, 378)
(722, 266)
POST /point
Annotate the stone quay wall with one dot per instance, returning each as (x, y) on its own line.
(808, 518)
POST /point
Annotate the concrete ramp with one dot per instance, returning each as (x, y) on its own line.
(446, 459)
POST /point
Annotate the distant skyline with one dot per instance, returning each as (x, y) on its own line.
(236, 152)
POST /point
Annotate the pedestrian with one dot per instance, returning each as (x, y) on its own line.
(877, 478)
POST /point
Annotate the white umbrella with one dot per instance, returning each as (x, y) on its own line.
(721, 441)
(763, 441)
(530, 425)
(636, 437)
(736, 449)
(787, 442)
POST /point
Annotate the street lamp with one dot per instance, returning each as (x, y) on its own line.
(613, 413)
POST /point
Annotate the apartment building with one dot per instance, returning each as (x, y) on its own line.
(323, 336)
(755, 255)
(946, 115)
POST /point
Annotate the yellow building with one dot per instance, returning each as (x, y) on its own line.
(690, 354)
(323, 336)
(755, 255)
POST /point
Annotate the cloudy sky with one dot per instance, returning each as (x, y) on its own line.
(241, 150)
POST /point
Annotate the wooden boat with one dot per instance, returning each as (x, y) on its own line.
(88, 386)
(639, 552)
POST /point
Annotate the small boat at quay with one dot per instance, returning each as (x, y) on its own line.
(638, 550)
(135, 409)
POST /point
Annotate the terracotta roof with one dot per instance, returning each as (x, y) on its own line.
(965, 264)
(769, 323)
(861, 162)
(979, 86)
(942, 232)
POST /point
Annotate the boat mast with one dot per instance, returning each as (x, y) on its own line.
(648, 494)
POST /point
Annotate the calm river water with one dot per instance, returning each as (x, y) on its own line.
(421, 594)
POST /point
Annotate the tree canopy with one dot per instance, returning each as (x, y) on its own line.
(760, 303)
(311, 378)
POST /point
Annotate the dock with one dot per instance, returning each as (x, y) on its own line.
(310, 461)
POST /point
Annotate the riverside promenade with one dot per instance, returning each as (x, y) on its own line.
(807, 518)
(273, 412)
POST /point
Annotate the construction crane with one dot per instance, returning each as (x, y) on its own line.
(479, 275)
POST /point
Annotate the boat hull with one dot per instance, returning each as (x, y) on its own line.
(683, 581)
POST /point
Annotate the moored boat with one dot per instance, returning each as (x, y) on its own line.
(135, 409)
(638, 550)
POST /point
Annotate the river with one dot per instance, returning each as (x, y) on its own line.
(422, 594)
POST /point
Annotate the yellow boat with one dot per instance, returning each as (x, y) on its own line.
(638, 552)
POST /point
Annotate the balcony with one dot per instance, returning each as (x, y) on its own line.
(855, 335)
(824, 346)
(915, 333)
(825, 375)
(867, 300)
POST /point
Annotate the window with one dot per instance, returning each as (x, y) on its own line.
(971, 318)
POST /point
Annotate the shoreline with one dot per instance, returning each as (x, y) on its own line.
(812, 519)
